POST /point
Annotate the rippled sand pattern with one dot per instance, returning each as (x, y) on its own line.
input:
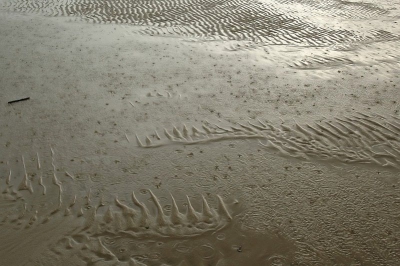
(259, 22)
(361, 138)
(340, 8)
(319, 62)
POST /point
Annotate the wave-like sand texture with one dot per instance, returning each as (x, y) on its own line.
(361, 138)
(341, 8)
(274, 22)
(320, 62)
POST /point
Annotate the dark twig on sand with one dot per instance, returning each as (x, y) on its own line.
(19, 100)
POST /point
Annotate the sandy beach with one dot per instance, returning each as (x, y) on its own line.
(201, 132)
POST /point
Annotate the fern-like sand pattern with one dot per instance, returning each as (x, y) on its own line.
(100, 230)
(40, 187)
(360, 138)
(140, 222)
(45, 200)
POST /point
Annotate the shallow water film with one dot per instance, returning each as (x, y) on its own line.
(199, 132)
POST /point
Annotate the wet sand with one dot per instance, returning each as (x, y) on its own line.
(199, 133)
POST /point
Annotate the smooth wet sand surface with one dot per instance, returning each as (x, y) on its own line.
(222, 133)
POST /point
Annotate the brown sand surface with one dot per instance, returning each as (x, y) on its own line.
(199, 132)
